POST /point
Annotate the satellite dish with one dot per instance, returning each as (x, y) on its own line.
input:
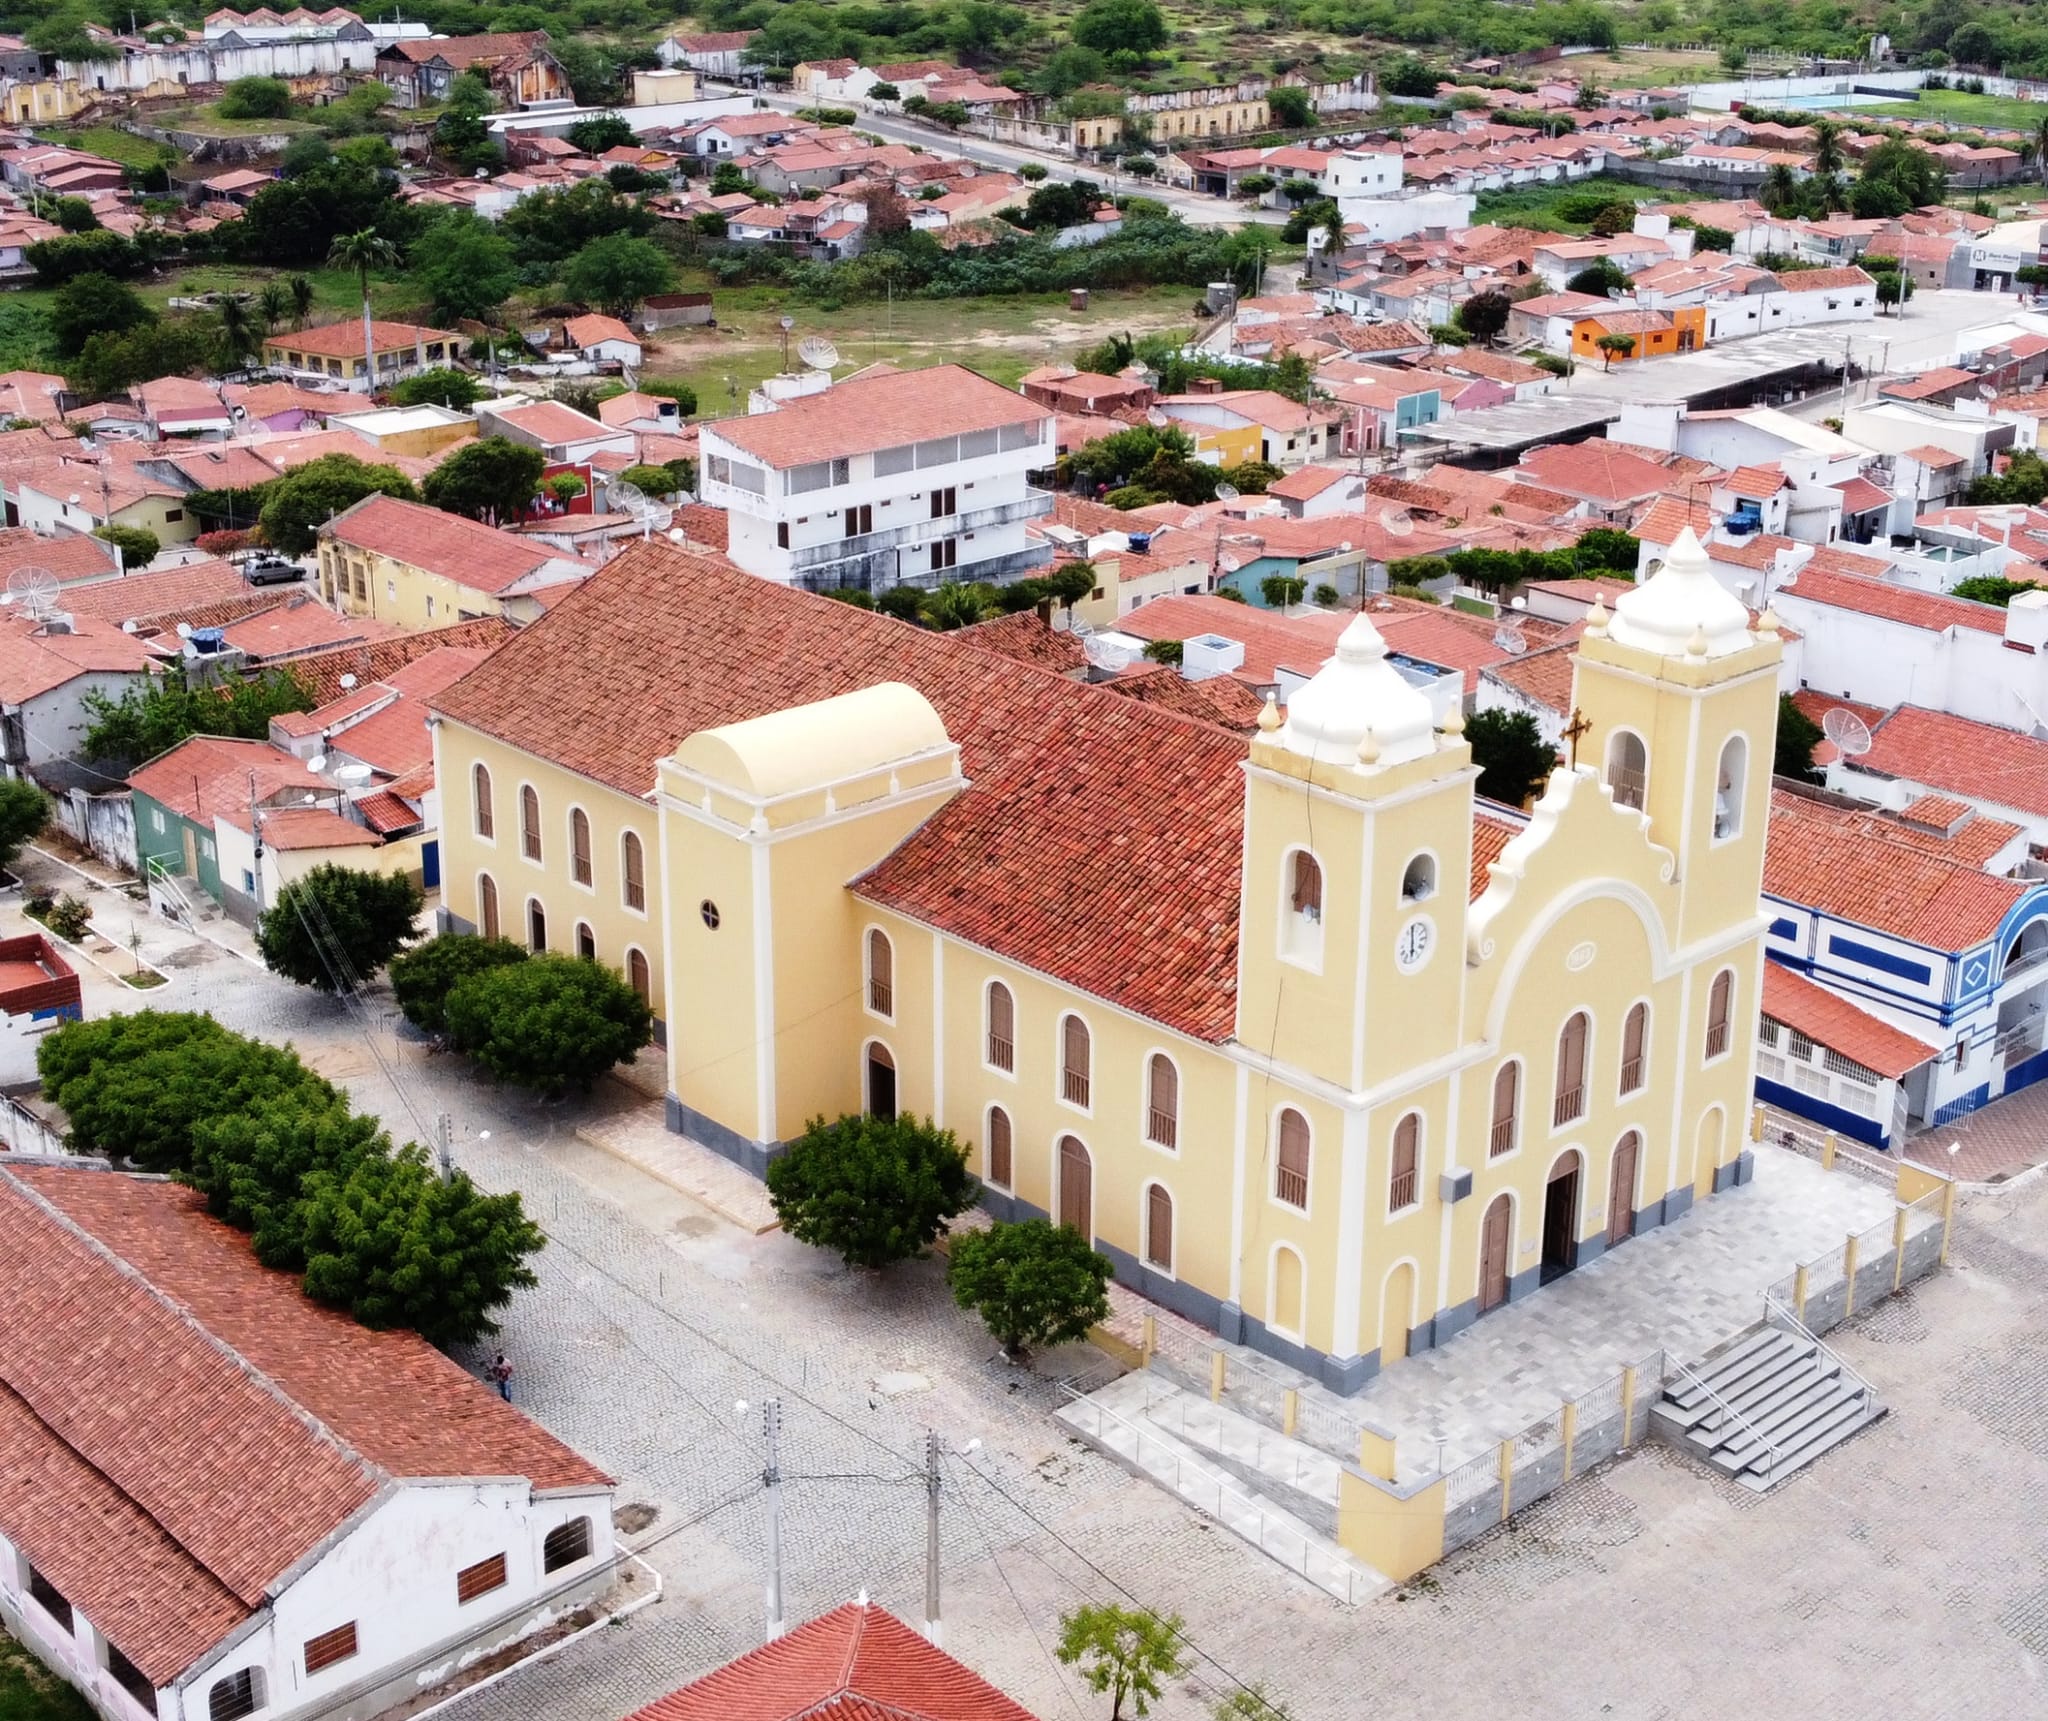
(348, 679)
(817, 352)
(317, 763)
(352, 774)
(1226, 492)
(184, 630)
(129, 626)
(1398, 521)
(1849, 733)
(35, 590)
(1230, 564)
(1987, 391)
(630, 499)
(1157, 419)
(1509, 639)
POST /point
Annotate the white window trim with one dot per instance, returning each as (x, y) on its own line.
(1649, 1039)
(1288, 916)
(1521, 1110)
(1145, 1101)
(1171, 1269)
(867, 1057)
(1016, 1048)
(1054, 1181)
(526, 925)
(1307, 1209)
(540, 823)
(1607, 761)
(1293, 1336)
(867, 975)
(1436, 878)
(569, 827)
(646, 890)
(1734, 1016)
(988, 1113)
(1736, 800)
(1556, 1043)
(1059, 1065)
(576, 940)
(490, 841)
(1387, 1207)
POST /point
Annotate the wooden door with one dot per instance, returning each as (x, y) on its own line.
(1621, 1190)
(1493, 1255)
(881, 1082)
(1077, 1187)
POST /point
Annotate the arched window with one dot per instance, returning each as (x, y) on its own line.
(529, 822)
(1002, 1028)
(1728, 788)
(240, 1693)
(639, 978)
(1720, 1007)
(1507, 1110)
(881, 973)
(480, 796)
(586, 941)
(881, 1081)
(633, 867)
(1162, 1101)
(1159, 1227)
(565, 1544)
(1628, 768)
(1302, 934)
(1571, 1071)
(1074, 1049)
(1635, 1049)
(1290, 1162)
(999, 1147)
(1077, 1185)
(536, 924)
(580, 867)
(1401, 1174)
(1418, 881)
(487, 905)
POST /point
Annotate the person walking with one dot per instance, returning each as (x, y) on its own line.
(501, 1375)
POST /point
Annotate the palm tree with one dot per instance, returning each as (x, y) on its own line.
(302, 300)
(363, 252)
(1779, 188)
(235, 327)
(275, 302)
(1827, 148)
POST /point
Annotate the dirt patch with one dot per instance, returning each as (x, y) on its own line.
(513, 1653)
(632, 1518)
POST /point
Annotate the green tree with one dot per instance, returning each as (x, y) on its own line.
(1484, 315)
(905, 603)
(362, 251)
(156, 716)
(1991, 589)
(58, 260)
(873, 1190)
(395, 1246)
(305, 154)
(74, 215)
(1290, 106)
(251, 1164)
(460, 132)
(1827, 147)
(110, 364)
(1282, 591)
(237, 330)
(1067, 69)
(137, 544)
(1780, 189)
(1249, 1703)
(1169, 651)
(1127, 1652)
(1135, 26)
(549, 1023)
(1798, 735)
(1321, 213)
(274, 303)
(551, 226)
(24, 810)
(422, 977)
(1614, 347)
(494, 480)
(441, 386)
(1513, 758)
(1599, 279)
(616, 272)
(602, 132)
(1408, 76)
(297, 505)
(1893, 289)
(301, 291)
(334, 928)
(957, 604)
(1069, 583)
(366, 154)
(1608, 550)
(464, 265)
(256, 99)
(1035, 1284)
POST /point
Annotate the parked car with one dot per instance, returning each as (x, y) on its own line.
(273, 571)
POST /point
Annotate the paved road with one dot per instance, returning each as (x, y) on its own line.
(1903, 1575)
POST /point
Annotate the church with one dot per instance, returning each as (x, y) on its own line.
(1319, 1048)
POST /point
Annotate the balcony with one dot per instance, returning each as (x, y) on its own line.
(878, 571)
(1401, 1191)
(1034, 505)
(1570, 1106)
(1291, 1186)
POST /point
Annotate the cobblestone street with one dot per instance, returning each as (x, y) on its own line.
(1907, 1573)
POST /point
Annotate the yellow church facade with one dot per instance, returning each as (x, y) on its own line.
(1320, 1051)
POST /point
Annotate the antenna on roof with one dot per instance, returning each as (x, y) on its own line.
(348, 679)
(1508, 638)
(1849, 733)
(34, 591)
(817, 352)
(317, 763)
(1226, 492)
(1398, 521)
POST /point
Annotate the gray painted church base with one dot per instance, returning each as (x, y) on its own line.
(455, 923)
(1678, 1203)
(1525, 1284)
(1184, 1300)
(1591, 1249)
(743, 1151)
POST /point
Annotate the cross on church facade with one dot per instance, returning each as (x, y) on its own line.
(1577, 727)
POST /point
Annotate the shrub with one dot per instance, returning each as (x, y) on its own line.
(251, 1165)
(549, 1023)
(1327, 596)
(873, 1190)
(338, 925)
(422, 977)
(69, 919)
(137, 544)
(256, 99)
(1035, 1283)
(24, 810)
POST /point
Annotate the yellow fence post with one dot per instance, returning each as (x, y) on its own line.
(1149, 1339)
(1568, 1427)
(1948, 1215)
(1799, 1293)
(1827, 1151)
(1899, 1246)
(1376, 1452)
(1290, 1412)
(1628, 1401)
(1756, 1121)
(1849, 1273)
(1507, 1478)
(1215, 1376)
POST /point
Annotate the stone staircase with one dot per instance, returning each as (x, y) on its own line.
(1763, 1405)
(1275, 1492)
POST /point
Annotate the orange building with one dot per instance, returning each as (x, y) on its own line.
(1655, 333)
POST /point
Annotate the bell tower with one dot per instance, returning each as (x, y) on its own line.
(1358, 832)
(1681, 698)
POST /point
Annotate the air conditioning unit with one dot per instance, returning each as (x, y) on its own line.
(1454, 1186)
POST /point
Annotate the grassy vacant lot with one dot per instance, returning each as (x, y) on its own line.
(30, 1692)
(1961, 110)
(1637, 68)
(111, 142)
(208, 122)
(1002, 338)
(1536, 205)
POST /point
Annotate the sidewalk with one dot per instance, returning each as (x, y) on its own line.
(2009, 1136)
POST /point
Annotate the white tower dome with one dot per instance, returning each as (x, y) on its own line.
(1359, 692)
(1681, 608)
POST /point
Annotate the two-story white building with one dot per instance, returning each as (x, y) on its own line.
(907, 478)
(224, 1500)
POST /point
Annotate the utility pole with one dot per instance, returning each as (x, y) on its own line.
(444, 1145)
(931, 1538)
(771, 1479)
(256, 831)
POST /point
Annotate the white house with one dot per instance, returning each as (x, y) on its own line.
(912, 478)
(566, 436)
(230, 1501)
(1403, 215)
(48, 671)
(603, 340)
(1361, 173)
(717, 54)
